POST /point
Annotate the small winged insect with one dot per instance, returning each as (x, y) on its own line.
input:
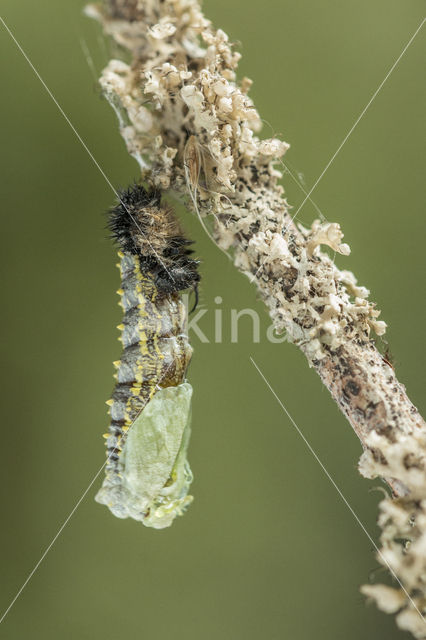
(147, 474)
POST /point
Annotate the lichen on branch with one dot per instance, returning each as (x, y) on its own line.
(193, 129)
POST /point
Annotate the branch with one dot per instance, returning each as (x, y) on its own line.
(192, 129)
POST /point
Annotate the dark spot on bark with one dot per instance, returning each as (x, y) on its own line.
(345, 367)
(254, 172)
(378, 456)
(289, 278)
(412, 461)
(371, 408)
(352, 388)
(360, 413)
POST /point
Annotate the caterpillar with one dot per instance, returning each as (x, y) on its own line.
(147, 476)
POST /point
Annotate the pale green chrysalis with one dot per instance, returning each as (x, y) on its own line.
(155, 476)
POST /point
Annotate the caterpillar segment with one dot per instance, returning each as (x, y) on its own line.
(156, 355)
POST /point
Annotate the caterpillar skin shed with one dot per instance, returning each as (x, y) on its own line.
(147, 474)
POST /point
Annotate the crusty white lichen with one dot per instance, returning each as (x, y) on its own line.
(193, 130)
(403, 524)
(181, 87)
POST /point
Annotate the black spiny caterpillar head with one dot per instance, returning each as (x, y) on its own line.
(142, 226)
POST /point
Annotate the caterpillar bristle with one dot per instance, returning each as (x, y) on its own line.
(142, 226)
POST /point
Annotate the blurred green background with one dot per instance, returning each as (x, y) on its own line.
(268, 549)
